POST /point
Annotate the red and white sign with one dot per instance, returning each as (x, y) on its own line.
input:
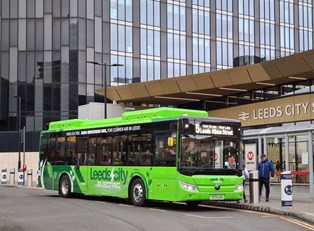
(250, 156)
(217, 157)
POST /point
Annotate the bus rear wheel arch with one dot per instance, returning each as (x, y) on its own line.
(65, 186)
(137, 192)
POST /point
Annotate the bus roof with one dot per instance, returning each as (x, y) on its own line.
(130, 117)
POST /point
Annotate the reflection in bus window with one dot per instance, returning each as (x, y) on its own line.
(71, 155)
(119, 150)
(104, 150)
(82, 150)
(140, 150)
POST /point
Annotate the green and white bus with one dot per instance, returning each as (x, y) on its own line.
(165, 154)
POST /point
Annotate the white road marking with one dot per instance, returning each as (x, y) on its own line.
(158, 210)
(125, 205)
(203, 217)
(233, 209)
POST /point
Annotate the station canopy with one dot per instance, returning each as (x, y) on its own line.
(210, 85)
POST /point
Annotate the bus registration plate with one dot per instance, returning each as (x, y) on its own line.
(216, 197)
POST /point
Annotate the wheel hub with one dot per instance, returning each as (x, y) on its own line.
(65, 187)
(138, 193)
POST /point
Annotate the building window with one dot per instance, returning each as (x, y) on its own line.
(121, 10)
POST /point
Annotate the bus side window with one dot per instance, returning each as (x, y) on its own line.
(52, 149)
(90, 158)
(82, 149)
(165, 155)
(119, 150)
(44, 146)
(71, 155)
(148, 155)
(131, 155)
(104, 150)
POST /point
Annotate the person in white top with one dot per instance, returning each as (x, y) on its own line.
(245, 175)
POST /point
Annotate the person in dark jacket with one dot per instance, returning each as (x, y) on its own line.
(265, 170)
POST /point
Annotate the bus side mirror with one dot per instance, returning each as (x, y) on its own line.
(170, 141)
(187, 127)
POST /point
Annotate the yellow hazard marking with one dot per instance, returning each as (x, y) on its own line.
(299, 223)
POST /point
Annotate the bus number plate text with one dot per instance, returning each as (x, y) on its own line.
(216, 197)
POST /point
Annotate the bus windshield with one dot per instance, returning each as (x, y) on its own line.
(207, 145)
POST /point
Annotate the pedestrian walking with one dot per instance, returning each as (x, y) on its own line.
(265, 170)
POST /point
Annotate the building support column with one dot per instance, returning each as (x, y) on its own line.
(310, 143)
(286, 167)
(265, 146)
(259, 147)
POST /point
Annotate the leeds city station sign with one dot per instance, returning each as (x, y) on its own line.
(282, 110)
(271, 112)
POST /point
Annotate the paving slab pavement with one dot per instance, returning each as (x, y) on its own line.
(302, 203)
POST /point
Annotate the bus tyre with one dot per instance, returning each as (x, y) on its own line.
(65, 186)
(137, 193)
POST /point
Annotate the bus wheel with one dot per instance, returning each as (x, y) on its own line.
(65, 186)
(137, 193)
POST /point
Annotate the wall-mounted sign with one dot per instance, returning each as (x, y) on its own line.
(250, 156)
(281, 110)
(271, 112)
(217, 157)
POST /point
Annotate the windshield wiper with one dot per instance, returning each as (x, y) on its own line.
(202, 167)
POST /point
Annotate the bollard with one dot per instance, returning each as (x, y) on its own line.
(4, 176)
(20, 180)
(286, 188)
(38, 178)
(12, 176)
(29, 177)
(254, 187)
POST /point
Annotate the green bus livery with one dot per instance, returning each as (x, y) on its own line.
(166, 154)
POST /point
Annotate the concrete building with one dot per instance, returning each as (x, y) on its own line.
(47, 46)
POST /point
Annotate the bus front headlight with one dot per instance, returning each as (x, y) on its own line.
(238, 187)
(189, 187)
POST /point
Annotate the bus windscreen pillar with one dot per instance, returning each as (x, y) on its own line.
(286, 188)
(4, 176)
(254, 187)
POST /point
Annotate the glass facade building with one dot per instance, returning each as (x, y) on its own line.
(45, 46)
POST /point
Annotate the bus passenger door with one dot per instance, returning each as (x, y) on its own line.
(164, 173)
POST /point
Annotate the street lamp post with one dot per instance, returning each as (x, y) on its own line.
(19, 128)
(105, 81)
